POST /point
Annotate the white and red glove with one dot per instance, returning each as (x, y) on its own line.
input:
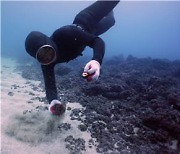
(93, 70)
(56, 107)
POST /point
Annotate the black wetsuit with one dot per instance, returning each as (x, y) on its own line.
(70, 41)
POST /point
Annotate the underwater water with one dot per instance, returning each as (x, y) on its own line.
(142, 29)
(132, 108)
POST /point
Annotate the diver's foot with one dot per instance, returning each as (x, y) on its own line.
(57, 108)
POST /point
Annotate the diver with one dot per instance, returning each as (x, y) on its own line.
(68, 42)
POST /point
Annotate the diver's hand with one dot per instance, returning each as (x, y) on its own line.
(56, 107)
(93, 70)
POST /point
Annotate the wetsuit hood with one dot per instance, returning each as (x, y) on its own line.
(35, 40)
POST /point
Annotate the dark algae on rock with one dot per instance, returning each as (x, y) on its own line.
(134, 107)
(75, 146)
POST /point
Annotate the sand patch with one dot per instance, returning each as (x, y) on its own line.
(26, 124)
(36, 127)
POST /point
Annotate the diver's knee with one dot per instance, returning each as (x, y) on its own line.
(112, 22)
(111, 18)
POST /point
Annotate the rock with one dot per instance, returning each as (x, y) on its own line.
(174, 99)
(157, 122)
(64, 126)
(68, 108)
(76, 114)
(29, 102)
(82, 127)
(10, 93)
(62, 70)
(176, 73)
(132, 108)
(131, 58)
(42, 108)
(75, 145)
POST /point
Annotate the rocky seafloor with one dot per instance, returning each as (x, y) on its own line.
(134, 107)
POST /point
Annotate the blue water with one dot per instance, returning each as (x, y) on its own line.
(143, 29)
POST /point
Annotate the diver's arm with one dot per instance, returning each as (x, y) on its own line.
(49, 81)
(98, 49)
(94, 42)
(92, 68)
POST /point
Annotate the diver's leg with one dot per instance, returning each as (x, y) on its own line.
(100, 9)
(90, 16)
(105, 24)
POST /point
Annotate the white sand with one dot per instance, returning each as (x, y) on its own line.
(35, 131)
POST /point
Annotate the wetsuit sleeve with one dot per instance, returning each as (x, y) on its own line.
(96, 43)
(98, 49)
(49, 81)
